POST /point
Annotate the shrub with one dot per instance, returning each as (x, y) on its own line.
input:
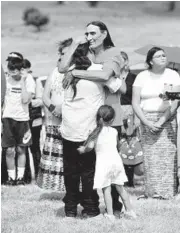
(33, 16)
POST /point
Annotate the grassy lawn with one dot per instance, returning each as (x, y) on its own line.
(33, 210)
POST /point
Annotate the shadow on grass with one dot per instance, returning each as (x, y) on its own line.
(60, 212)
(52, 196)
(136, 191)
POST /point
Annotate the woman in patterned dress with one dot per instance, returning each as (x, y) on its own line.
(50, 170)
(50, 175)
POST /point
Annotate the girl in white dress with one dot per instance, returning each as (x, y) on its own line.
(109, 167)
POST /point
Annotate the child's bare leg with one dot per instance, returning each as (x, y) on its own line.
(125, 197)
(10, 158)
(21, 162)
(21, 156)
(108, 199)
(10, 162)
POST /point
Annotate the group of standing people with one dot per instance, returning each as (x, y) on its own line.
(84, 119)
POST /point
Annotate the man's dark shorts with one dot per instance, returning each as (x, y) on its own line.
(15, 133)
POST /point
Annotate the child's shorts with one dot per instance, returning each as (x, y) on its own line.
(15, 133)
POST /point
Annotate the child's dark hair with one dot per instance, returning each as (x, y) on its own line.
(15, 61)
(26, 64)
(104, 115)
(14, 55)
(81, 62)
(14, 64)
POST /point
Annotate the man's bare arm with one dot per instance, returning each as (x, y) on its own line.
(65, 62)
(93, 75)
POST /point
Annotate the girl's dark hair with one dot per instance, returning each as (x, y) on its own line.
(104, 115)
(14, 55)
(14, 64)
(150, 55)
(107, 41)
(81, 62)
(26, 64)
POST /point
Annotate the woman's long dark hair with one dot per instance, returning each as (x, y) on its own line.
(107, 41)
(81, 62)
(150, 55)
(104, 115)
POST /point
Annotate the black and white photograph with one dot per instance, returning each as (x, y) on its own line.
(90, 116)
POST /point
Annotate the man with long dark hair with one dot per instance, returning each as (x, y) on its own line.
(78, 118)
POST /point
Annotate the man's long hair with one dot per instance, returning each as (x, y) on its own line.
(107, 41)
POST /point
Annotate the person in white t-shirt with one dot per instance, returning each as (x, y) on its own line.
(158, 125)
(16, 134)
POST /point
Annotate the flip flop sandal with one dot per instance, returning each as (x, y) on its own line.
(156, 196)
(142, 197)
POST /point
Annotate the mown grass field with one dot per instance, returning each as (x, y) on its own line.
(32, 210)
(132, 25)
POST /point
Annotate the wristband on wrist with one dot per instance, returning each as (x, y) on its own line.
(51, 107)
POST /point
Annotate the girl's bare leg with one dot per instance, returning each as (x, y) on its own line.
(125, 197)
(108, 199)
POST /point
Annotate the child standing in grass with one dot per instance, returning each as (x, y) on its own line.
(16, 134)
(109, 167)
